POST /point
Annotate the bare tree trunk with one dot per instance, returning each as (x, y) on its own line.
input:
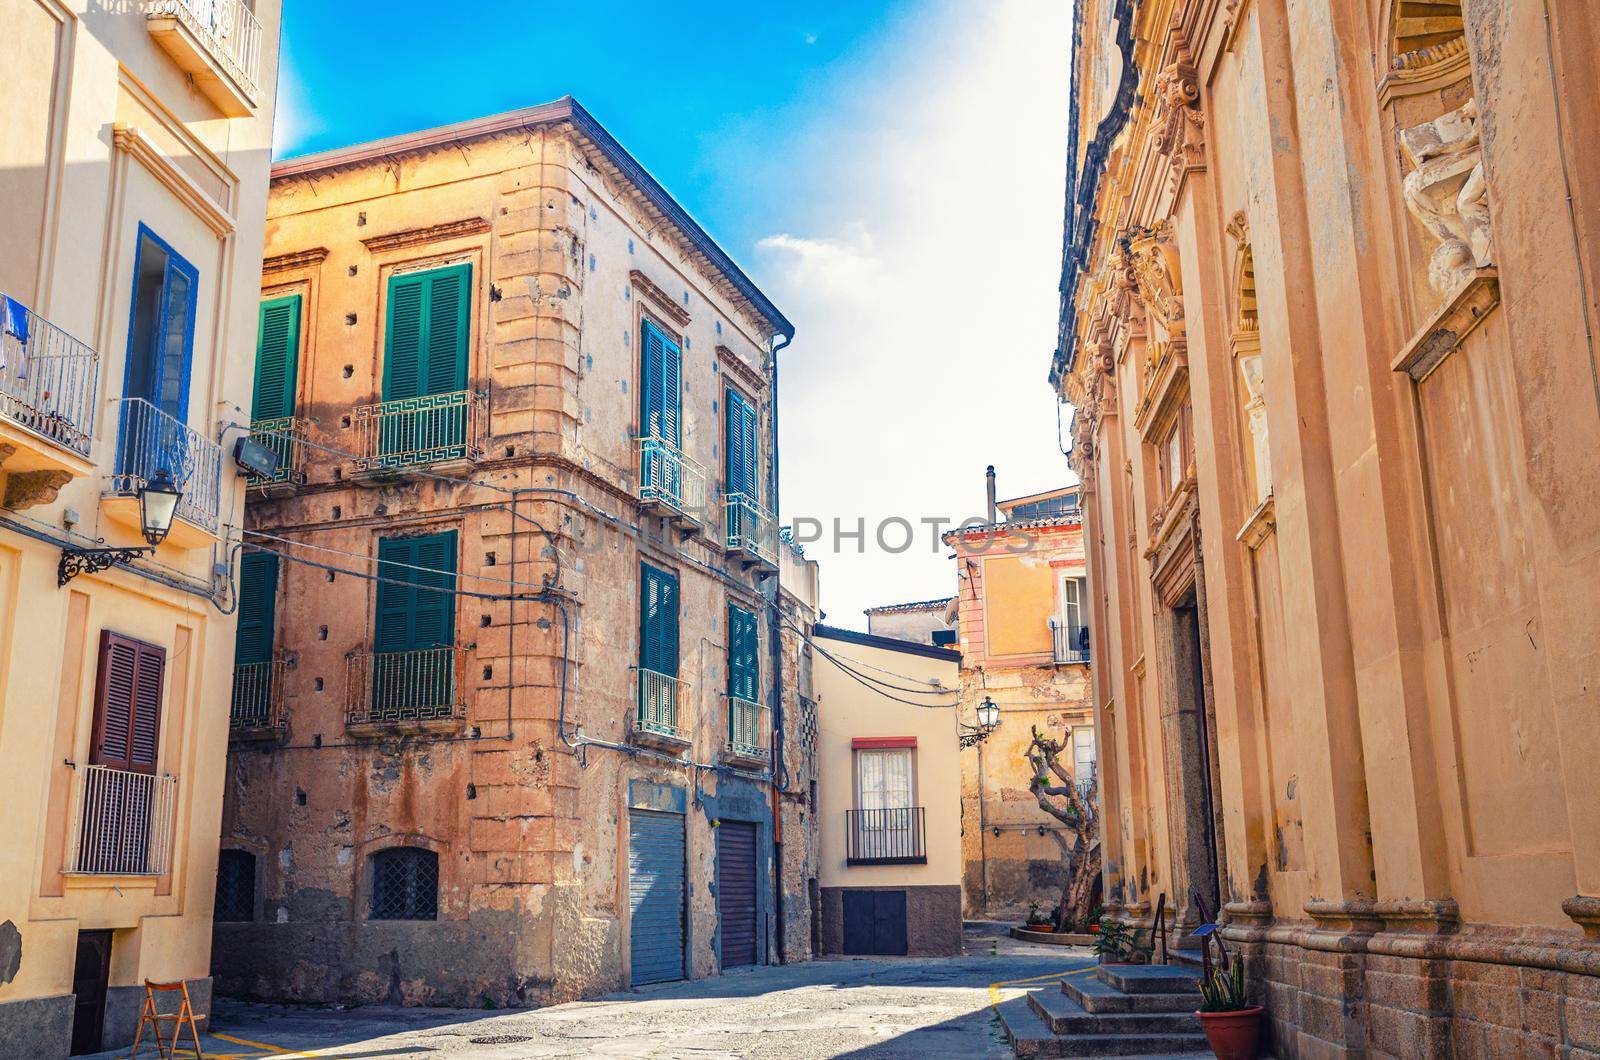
(1075, 808)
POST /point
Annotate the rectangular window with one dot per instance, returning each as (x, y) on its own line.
(253, 641)
(1083, 758)
(413, 671)
(426, 333)
(161, 330)
(742, 451)
(124, 808)
(1071, 603)
(883, 779)
(127, 717)
(744, 666)
(660, 387)
(277, 358)
(658, 621)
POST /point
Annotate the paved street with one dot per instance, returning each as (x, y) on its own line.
(903, 1007)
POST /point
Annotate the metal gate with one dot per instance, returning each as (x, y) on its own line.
(875, 923)
(736, 891)
(655, 886)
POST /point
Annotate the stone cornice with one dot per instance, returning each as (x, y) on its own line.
(130, 139)
(413, 237)
(295, 259)
(1444, 332)
(659, 298)
(735, 365)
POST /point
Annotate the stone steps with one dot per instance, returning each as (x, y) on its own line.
(1122, 1010)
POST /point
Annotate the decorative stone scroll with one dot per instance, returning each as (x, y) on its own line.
(1177, 121)
(1446, 192)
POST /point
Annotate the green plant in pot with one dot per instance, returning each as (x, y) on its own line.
(1037, 921)
(1232, 1024)
(1117, 943)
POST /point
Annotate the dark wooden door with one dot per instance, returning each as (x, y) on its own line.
(875, 923)
(736, 891)
(90, 974)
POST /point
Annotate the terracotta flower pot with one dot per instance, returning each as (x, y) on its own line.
(1233, 1035)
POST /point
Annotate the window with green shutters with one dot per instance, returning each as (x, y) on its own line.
(426, 337)
(253, 641)
(413, 670)
(277, 358)
(742, 452)
(744, 667)
(660, 389)
(658, 651)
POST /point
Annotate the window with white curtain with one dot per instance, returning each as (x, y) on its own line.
(883, 779)
(1082, 752)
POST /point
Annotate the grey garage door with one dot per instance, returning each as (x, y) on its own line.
(736, 891)
(655, 884)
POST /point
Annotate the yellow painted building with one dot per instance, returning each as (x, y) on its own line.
(133, 180)
(888, 816)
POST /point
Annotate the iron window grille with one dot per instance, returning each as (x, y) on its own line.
(236, 886)
(405, 884)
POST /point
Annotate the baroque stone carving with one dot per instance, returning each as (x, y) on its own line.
(1177, 121)
(1447, 193)
(27, 489)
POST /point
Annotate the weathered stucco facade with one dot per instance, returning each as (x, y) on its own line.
(573, 765)
(1325, 325)
(134, 152)
(1024, 646)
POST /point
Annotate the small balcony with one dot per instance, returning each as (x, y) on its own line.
(657, 720)
(442, 433)
(671, 483)
(1071, 643)
(285, 436)
(751, 532)
(887, 837)
(149, 440)
(124, 823)
(422, 690)
(216, 42)
(48, 382)
(256, 713)
(749, 734)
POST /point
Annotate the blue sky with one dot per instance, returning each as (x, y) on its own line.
(890, 171)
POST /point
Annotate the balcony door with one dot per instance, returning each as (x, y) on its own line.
(886, 826)
(118, 811)
(740, 441)
(253, 640)
(426, 337)
(658, 650)
(413, 666)
(160, 349)
(660, 415)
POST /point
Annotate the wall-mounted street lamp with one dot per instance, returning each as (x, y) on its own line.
(988, 722)
(158, 506)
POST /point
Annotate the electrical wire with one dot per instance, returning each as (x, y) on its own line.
(370, 559)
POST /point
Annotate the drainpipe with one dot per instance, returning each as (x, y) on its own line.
(780, 779)
(988, 485)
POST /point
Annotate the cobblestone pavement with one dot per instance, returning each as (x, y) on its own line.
(879, 1007)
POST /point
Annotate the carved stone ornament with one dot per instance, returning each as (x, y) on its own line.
(1154, 257)
(28, 489)
(1177, 121)
(1447, 193)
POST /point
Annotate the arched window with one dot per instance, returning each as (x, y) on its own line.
(405, 884)
(236, 886)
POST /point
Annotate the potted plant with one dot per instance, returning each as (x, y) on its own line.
(1117, 943)
(1232, 1024)
(1037, 921)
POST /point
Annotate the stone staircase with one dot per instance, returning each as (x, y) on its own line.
(1116, 1010)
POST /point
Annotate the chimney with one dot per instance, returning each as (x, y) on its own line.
(989, 487)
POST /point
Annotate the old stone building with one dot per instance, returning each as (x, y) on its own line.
(135, 144)
(512, 713)
(1025, 649)
(1328, 324)
(923, 621)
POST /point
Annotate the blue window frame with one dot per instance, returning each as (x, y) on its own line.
(160, 352)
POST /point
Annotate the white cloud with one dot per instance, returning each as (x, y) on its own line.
(918, 256)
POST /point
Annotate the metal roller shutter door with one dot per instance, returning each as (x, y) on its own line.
(736, 891)
(655, 885)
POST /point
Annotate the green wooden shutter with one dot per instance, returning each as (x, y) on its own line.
(277, 356)
(258, 608)
(426, 333)
(744, 668)
(658, 620)
(741, 445)
(410, 613)
(660, 392)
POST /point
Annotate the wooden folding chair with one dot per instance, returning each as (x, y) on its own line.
(184, 1016)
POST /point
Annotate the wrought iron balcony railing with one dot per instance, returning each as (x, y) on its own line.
(421, 687)
(886, 837)
(1071, 643)
(257, 699)
(284, 435)
(150, 441)
(124, 823)
(421, 431)
(48, 379)
(749, 735)
(657, 714)
(750, 528)
(670, 479)
(228, 29)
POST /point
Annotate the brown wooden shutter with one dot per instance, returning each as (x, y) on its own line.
(127, 704)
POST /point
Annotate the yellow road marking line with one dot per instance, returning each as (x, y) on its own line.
(275, 1050)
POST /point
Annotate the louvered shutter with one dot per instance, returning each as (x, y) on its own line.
(743, 669)
(258, 608)
(127, 722)
(658, 642)
(403, 337)
(741, 444)
(672, 394)
(409, 616)
(446, 362)
(426, 334)
(652, 400)
(277, 355)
